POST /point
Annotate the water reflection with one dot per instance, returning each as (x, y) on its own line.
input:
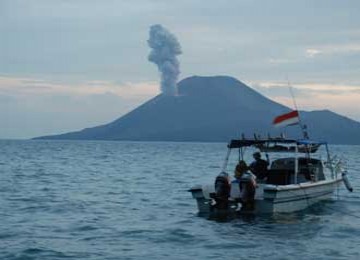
(305, 224)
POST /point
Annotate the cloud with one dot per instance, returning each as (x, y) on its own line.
(332, 50)
(312, 52)
(29, 86)
(339, 98)
(280, 61)
(305, 90)
(32, 107)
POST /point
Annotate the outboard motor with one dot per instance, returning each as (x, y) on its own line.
(346, 181)
(222, 191)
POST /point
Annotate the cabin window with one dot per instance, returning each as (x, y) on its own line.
(282, 171)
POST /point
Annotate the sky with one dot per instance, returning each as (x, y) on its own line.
(66, 65)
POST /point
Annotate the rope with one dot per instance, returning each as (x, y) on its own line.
(306, 195)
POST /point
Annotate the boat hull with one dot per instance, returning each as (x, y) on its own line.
(295, 197)
(273, 198)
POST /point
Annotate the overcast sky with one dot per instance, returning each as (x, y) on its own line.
(70, 64)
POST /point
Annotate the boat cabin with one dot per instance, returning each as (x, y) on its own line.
(296, 167)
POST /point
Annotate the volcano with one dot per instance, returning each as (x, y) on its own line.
(214, 109)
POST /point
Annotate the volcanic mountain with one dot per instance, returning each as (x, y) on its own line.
(211, 109)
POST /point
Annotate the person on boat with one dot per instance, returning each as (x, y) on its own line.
(247, 185)
(259, 166)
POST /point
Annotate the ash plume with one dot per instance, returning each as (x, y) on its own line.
(165, 47)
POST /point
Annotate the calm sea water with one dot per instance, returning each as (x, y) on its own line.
(129, 200)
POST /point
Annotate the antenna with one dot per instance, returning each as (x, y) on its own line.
(292, 96)
(302, 127)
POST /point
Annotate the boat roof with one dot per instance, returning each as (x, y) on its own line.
(238, 143)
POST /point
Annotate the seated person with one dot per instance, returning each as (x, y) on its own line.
(247, 185)
(259, 166)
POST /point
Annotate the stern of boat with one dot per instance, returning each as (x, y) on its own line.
(201, 193)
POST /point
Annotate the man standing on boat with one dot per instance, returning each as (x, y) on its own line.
(259, 166)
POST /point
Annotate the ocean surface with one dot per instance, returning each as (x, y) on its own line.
(129, 200)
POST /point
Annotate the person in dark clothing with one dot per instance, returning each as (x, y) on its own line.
(259, 166)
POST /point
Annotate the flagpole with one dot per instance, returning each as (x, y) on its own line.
(302, 127)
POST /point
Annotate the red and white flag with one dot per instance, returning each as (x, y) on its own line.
(291, 118)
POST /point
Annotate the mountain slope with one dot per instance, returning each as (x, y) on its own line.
(212, 109)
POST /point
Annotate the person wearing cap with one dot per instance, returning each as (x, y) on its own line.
(259, 166)
(247, 185)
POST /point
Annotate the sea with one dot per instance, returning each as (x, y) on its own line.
(129, 200)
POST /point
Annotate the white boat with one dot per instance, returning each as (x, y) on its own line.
(295, 180)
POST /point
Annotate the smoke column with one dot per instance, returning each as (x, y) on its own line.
(165, 47)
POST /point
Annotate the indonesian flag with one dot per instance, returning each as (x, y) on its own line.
(291, 118)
